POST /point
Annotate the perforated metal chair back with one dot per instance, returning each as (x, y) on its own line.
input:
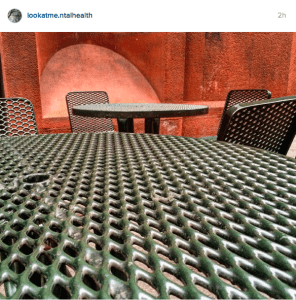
(17, 117)
(87, 124)
(268, 125)
(243, 96)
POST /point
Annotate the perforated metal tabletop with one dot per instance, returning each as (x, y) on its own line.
(116, 215)
(125, 112)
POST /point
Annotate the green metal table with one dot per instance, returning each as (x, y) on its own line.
(119, 216)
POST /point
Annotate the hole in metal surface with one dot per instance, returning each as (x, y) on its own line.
(148, 288)
(136, 233)
(180, 234)
(61, 292)
(77, 223)
(117, 226)
(91, 282)
(94, 244)
(33, 234)
(117, 253)
(38, 279)
(55, 228)
(17, 227)
(27, 296)
(34, 178)
(143, 266)
(7, 288)
(188, 250)
(205, 291)
(114, 204)
(40, 222)
(96, 219)
(119, 273)
(45, 259)
(217, 261)
(81, 205)
(17, 200)
(30, 205)
(10, 210)
(71, 251)
(156, 228)
(173, 296)
(44, 211)
(194, 269)
(17, 267)
(9, 240)
(51, 242)
(67, 270)
(230, 283)
(3, 221)
(158, 241)
(26, 249)
(166, 258)
(79, 214)
(140, 248)
(134, 222)
(265, 295)
(3, 254)
(117, 238)
(115, 213)
(24, 215)
(2, 289)
(173, 278)
(95, 230)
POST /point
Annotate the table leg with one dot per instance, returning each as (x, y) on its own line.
(152, 125)
(125, 125)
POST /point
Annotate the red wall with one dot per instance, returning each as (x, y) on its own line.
(145, 51)
(181, 67)
(20, 68)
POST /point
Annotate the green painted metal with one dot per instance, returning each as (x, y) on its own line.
(116, 215)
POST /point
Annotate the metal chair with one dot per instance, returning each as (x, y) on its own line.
(268, 125)
(241, 96)
(87, 124)
(17, 117)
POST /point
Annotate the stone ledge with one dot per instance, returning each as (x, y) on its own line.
(55, 125)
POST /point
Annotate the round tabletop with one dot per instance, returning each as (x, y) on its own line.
(139, 110)
(139, 216)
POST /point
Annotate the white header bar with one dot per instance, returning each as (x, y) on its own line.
(150, 16)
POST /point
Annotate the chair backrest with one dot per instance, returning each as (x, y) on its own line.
(87, 124)
(268, 124)
(243, 96)
(17, 117)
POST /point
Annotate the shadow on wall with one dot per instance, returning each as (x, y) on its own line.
(91, 68)
(1, 81)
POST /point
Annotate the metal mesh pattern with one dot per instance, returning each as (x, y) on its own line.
(268, 125)
(141, 110)
(243, 96)
(85, 124)
(115, 215)
(17, 117)
(146, 107)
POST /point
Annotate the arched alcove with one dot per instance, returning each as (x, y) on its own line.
(87, 67)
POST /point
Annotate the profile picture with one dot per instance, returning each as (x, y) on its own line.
(14, 15)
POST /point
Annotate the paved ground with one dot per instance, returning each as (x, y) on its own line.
(292, 151)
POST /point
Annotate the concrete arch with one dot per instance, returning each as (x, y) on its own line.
(87, 67)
